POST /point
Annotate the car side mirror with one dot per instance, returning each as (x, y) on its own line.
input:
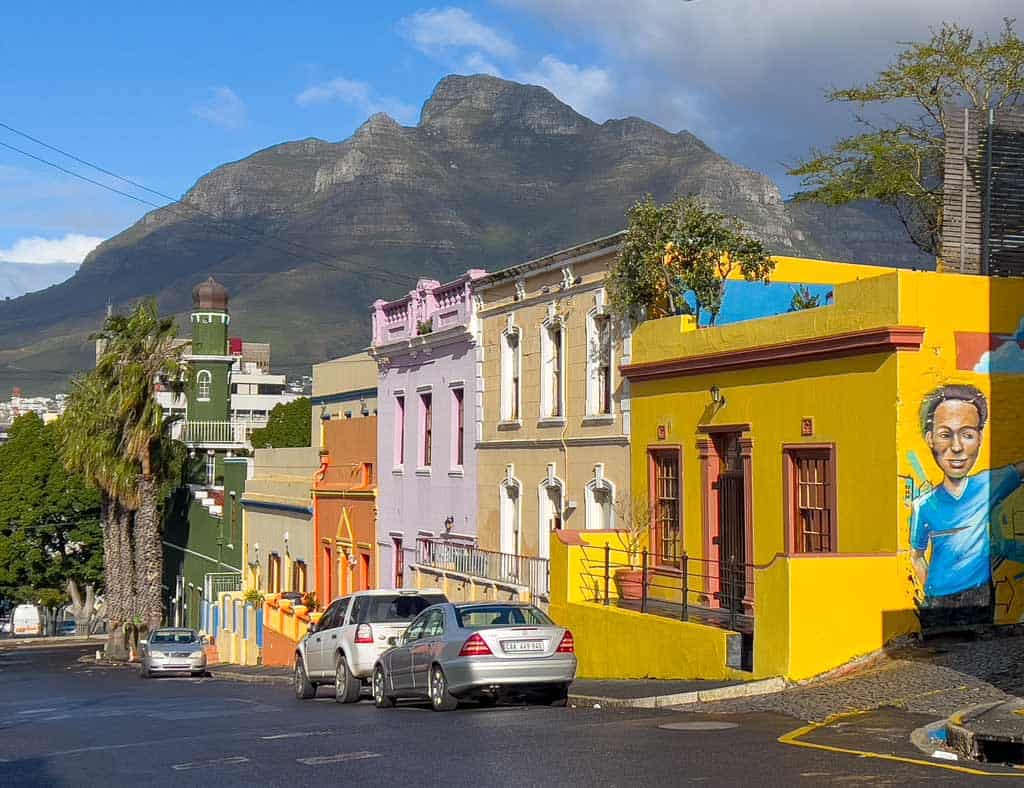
(312, 628)
(392, 641)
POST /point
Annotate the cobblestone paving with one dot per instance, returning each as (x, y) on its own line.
(938, 677)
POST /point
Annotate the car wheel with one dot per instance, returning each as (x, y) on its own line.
(346, 686)
(380, 698)
(304, 688)
(440, 698)
(559, 696)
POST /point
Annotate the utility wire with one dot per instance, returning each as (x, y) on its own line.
(178, 204)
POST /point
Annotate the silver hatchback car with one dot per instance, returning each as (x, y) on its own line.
(172, 651)
(482, 651)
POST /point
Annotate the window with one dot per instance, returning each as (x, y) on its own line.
(273, 573)
(510, 374)
(427, 438)
(509, 505)
(550, 511)
(387, 609)
(665, 506)
(399, 430)
(486, 616)
(458, 423)
(299, 576)
(600, 499)
(399, 561)
(552, 370)
(203, 380)
(434, 624)
(599, 365)
(811, 499)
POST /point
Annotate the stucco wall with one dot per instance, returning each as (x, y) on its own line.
(343, 385)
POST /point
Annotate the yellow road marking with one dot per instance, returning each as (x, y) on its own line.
(794, 738)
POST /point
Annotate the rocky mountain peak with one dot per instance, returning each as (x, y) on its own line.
(467, 107)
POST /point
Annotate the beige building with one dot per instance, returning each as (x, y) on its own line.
(553, 425)
(343, 388)
(277, 521)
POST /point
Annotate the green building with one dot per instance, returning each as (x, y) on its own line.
(203, 520)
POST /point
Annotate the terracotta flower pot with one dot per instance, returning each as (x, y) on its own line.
(630, 583)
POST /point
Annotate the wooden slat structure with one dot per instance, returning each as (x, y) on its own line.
(983, 205)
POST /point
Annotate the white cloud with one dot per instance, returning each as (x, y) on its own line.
(478, 63)
(747, 75)
(1007, 359)
(585, 89)
(223, 108)
(436, 30)
(356, 94)
(72, 248)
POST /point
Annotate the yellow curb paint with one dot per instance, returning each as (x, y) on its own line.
(794, 738)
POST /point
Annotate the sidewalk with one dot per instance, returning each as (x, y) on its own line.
(251, 674)
(936, 678)
(11, 643)
(653, 694)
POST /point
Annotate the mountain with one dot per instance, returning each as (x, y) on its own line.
(19, 278)
(307, 234)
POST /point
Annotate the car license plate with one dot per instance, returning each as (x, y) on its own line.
(521, 646)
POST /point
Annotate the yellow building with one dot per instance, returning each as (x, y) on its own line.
(553, 427)
(820, 481)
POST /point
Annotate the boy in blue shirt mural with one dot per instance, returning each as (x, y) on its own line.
(955, 516)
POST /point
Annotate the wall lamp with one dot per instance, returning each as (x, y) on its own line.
(717, 397)
(449, 523)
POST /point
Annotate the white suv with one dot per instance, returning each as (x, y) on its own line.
(342, 647)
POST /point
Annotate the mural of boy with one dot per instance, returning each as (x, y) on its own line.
(955, 516)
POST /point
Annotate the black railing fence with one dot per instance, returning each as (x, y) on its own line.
(712, 590)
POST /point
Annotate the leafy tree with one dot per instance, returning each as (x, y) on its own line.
(899, 162)
(676, 250)
(50, 536)
(287, 427)
(113, 432)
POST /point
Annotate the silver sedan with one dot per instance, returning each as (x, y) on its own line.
(172, 651)
(482, 651)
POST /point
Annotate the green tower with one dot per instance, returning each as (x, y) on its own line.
(209, 363)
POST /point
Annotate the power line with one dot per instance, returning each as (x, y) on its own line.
(177, 205)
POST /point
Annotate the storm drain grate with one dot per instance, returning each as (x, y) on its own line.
(995, 751)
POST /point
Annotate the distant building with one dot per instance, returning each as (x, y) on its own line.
(343, 388)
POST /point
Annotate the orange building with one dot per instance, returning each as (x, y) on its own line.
(345, 508)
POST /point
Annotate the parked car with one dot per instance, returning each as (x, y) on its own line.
(483, 651)
(343, 646)
(172, 650)
(67, 627)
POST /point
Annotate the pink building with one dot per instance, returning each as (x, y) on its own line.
(428, 351)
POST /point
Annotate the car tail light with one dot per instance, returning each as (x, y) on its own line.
(475, 647)
(568, 645)
(364, 634)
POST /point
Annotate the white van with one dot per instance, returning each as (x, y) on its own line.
(27, 620)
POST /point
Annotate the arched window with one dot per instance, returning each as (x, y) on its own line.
(600, 383)
(511, 378)
(552, 345)
(510, 510)
(203, 380)
(600, 501)
(551, 506)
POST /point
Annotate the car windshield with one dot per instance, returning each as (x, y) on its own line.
(395, 609)
(487, 616)
(180, 637)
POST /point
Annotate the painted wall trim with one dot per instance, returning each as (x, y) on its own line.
(887, 339)
(554, 443)
(278, 507)
(345, 396)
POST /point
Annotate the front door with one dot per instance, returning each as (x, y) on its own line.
(401, 657)
(732, 541)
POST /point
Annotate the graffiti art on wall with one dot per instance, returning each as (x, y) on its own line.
(957, 529)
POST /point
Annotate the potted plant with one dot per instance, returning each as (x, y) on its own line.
(634, 525)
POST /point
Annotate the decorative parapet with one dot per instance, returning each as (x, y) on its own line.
(430, 307)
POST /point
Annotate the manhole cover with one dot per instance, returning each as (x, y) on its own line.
(698, 726)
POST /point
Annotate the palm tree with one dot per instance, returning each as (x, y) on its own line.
(115, 434)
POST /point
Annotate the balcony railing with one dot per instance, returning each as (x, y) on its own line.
(454, 556)
(204, 432)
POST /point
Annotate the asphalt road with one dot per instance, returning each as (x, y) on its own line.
(63, 722)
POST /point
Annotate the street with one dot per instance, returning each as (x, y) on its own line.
(66, 722)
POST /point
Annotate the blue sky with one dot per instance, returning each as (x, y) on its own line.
(162, 93)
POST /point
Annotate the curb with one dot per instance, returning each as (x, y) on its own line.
(248, 678)
(60, 641)
(747, 690)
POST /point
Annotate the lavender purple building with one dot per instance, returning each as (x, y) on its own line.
(428, 351)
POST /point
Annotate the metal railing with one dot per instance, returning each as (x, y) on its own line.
(218, 583)
(719, 592)
(213, 432)
(502, 567)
